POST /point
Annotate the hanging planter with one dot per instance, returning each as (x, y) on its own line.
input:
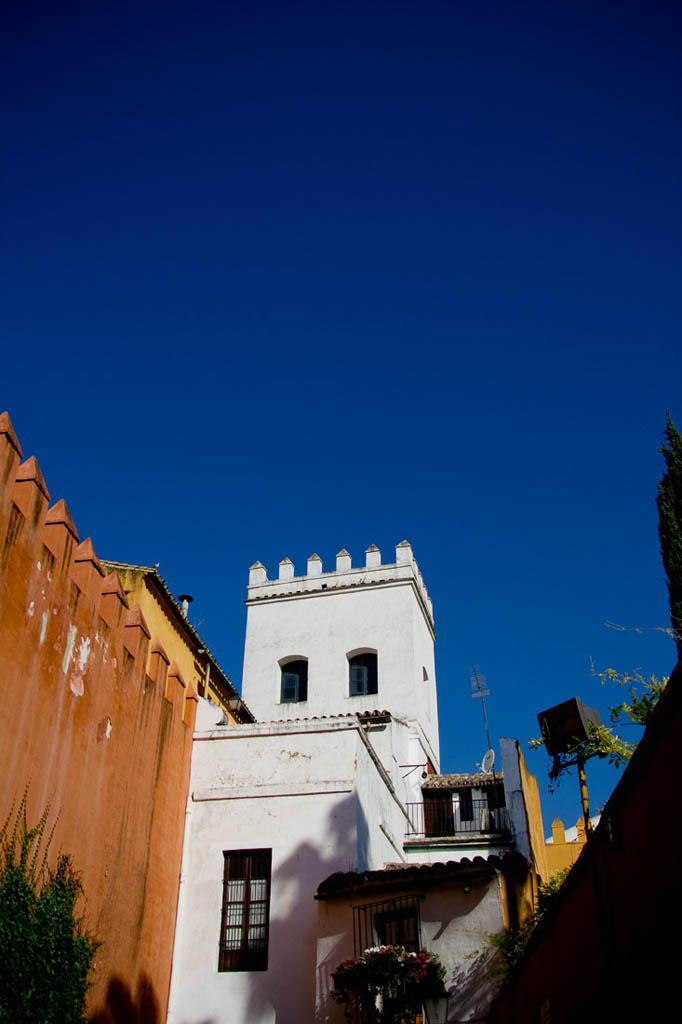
(389, 983)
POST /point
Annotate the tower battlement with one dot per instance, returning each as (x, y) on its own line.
(344, 575)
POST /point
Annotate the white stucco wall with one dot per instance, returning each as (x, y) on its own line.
(323, 617)
(322, 789)
(455, 924)
(316, 794)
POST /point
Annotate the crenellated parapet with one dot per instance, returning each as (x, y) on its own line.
(98, 722)
(59, 610)
(343, 576)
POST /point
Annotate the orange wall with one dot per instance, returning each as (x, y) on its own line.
(99, 729)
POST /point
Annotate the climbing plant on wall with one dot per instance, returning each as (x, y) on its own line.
(670, 526)
(45, 954)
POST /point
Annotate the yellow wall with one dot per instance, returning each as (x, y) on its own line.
(560, 854)
(529, 785)
(161, 626)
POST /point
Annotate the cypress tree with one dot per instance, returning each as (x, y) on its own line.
(670, 526)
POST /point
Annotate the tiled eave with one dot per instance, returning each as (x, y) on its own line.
(345, 883)
(366, 717)
(463, 780)
(163, 593)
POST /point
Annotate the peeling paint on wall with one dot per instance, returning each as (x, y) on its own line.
(104, 729)
(83, 652)
(70, 641)
(124, 802)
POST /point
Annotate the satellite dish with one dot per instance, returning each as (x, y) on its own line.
(488, 761)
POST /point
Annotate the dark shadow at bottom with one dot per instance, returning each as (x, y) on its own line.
(121, 1007)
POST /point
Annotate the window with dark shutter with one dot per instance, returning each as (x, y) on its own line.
(398, 928)
(466, 805)
(294, 682)
(362, 674)
(246, 910)
(495, 796)
(390, 922)
(439, 818)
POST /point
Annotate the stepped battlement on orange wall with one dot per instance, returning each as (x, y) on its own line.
(97, 723)
(57, 593)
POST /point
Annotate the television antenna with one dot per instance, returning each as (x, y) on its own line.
(488, 761)
(479, 688)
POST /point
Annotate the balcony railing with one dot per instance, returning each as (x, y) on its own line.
(439, 820)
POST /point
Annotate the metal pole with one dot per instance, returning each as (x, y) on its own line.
(479, 687)
(583, 795)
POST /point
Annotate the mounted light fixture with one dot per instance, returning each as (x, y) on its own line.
(567, 724)
(436, 1008)
(564, 727)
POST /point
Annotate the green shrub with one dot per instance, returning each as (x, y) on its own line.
(511, 945)
(45, 955)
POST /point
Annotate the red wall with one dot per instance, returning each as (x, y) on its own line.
(608, 949)
(90, 728)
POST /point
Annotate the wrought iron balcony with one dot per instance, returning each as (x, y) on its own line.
(440, 820)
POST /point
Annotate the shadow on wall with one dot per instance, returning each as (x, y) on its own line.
(474, 985)
(122, 1008)
(290, 991)
(463, 906)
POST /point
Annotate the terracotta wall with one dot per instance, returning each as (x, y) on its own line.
(97, 727)
(607, 949)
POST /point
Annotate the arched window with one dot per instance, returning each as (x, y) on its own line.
(362, 674)
(294, 682)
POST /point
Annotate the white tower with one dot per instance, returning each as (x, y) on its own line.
(342, 642)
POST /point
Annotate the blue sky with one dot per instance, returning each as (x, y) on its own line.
(284, 278)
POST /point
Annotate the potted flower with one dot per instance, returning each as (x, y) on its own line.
(388, 983)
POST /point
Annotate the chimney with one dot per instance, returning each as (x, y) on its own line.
(186, 601)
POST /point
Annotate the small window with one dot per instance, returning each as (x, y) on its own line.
(495, 796)
(466, 805)
(439, 819)
(363, 676)
(398, 928)
(246, 911)
(425, 674)
(390, 922)
(294, 682)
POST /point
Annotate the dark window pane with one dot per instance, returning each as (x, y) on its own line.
(246, 911)
(466, 805)
(398, 928)
(294, 682)
(387, 921)
(289, 686)
(363, 675)
(359, 676)
(438, 813)
(495, 795)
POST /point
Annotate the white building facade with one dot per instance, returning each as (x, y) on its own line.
(379, 614)
(339, 672)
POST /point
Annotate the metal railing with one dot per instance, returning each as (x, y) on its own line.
(438, 819)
